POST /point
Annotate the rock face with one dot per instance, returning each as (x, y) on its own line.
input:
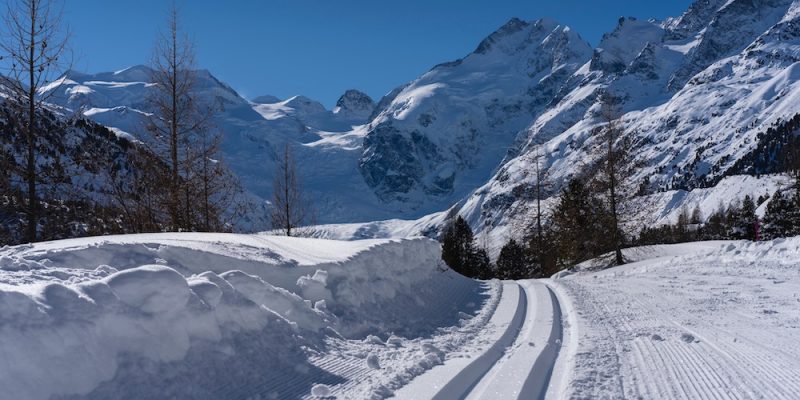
(355, 105)
(442, 134)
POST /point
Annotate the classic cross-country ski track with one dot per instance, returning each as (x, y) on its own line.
(520, 362)
(697, 321)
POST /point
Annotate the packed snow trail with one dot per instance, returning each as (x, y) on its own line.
(519, 361)
(710, 320)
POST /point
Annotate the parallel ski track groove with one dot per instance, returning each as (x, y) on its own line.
(463, 383)
(536, 385)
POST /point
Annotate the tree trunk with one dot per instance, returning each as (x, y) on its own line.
(31, 167)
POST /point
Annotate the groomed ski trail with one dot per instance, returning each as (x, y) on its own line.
(519, 362)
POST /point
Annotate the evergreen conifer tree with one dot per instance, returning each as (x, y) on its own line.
(511, 263)
(460, 252)
(777, 222)
(580, 225)
(745, 220)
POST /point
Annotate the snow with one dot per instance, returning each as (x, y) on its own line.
(694, 320)
(195, 315)
(709, 200)
(205, 315)
(687, 321)
(696, 94)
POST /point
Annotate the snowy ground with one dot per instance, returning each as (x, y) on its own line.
(261, 317)
(717, 320)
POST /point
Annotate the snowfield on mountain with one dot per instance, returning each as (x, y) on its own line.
(261, 317)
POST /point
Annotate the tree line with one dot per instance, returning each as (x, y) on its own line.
(592, 208)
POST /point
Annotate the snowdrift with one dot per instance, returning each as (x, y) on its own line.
(187, 315)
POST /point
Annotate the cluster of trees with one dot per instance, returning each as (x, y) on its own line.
(588, 217)
(198, 189)
(591, 209)
(737, 221)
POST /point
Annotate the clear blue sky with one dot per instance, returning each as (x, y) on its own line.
(320, 48)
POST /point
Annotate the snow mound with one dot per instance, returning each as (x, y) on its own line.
(153, 289)
(208, 315)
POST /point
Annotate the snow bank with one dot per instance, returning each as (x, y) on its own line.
(174, 315)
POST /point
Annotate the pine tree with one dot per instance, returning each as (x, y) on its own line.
(682, 227)
(481, 264)
(793, 215)
(511, 263)
(697, 216)
(457, 247)
(745, 221)
(461, 253)
(777, 222)
(580, 224)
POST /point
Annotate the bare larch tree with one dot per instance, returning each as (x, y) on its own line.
(178, 116)
(290, 208)
(218, 191)
(614, 165)
(34, 40)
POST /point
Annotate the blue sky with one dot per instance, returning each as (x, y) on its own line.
(320, 48)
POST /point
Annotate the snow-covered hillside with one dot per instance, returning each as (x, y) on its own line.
(83, 172)
(208, 316)
(698, 320)
(696, 92)
(444, 133)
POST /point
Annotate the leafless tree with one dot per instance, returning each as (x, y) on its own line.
(532, 212)
(34, 40)
(290, 208)
(178, 115)
(219, 193)
(540, 174)
(613, 166)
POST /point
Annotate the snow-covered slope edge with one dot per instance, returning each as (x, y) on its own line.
(174, 314)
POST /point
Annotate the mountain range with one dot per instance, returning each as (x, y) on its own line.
(696, 94)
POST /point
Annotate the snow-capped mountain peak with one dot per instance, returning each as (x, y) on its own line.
(442, 133)
(697, 92)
